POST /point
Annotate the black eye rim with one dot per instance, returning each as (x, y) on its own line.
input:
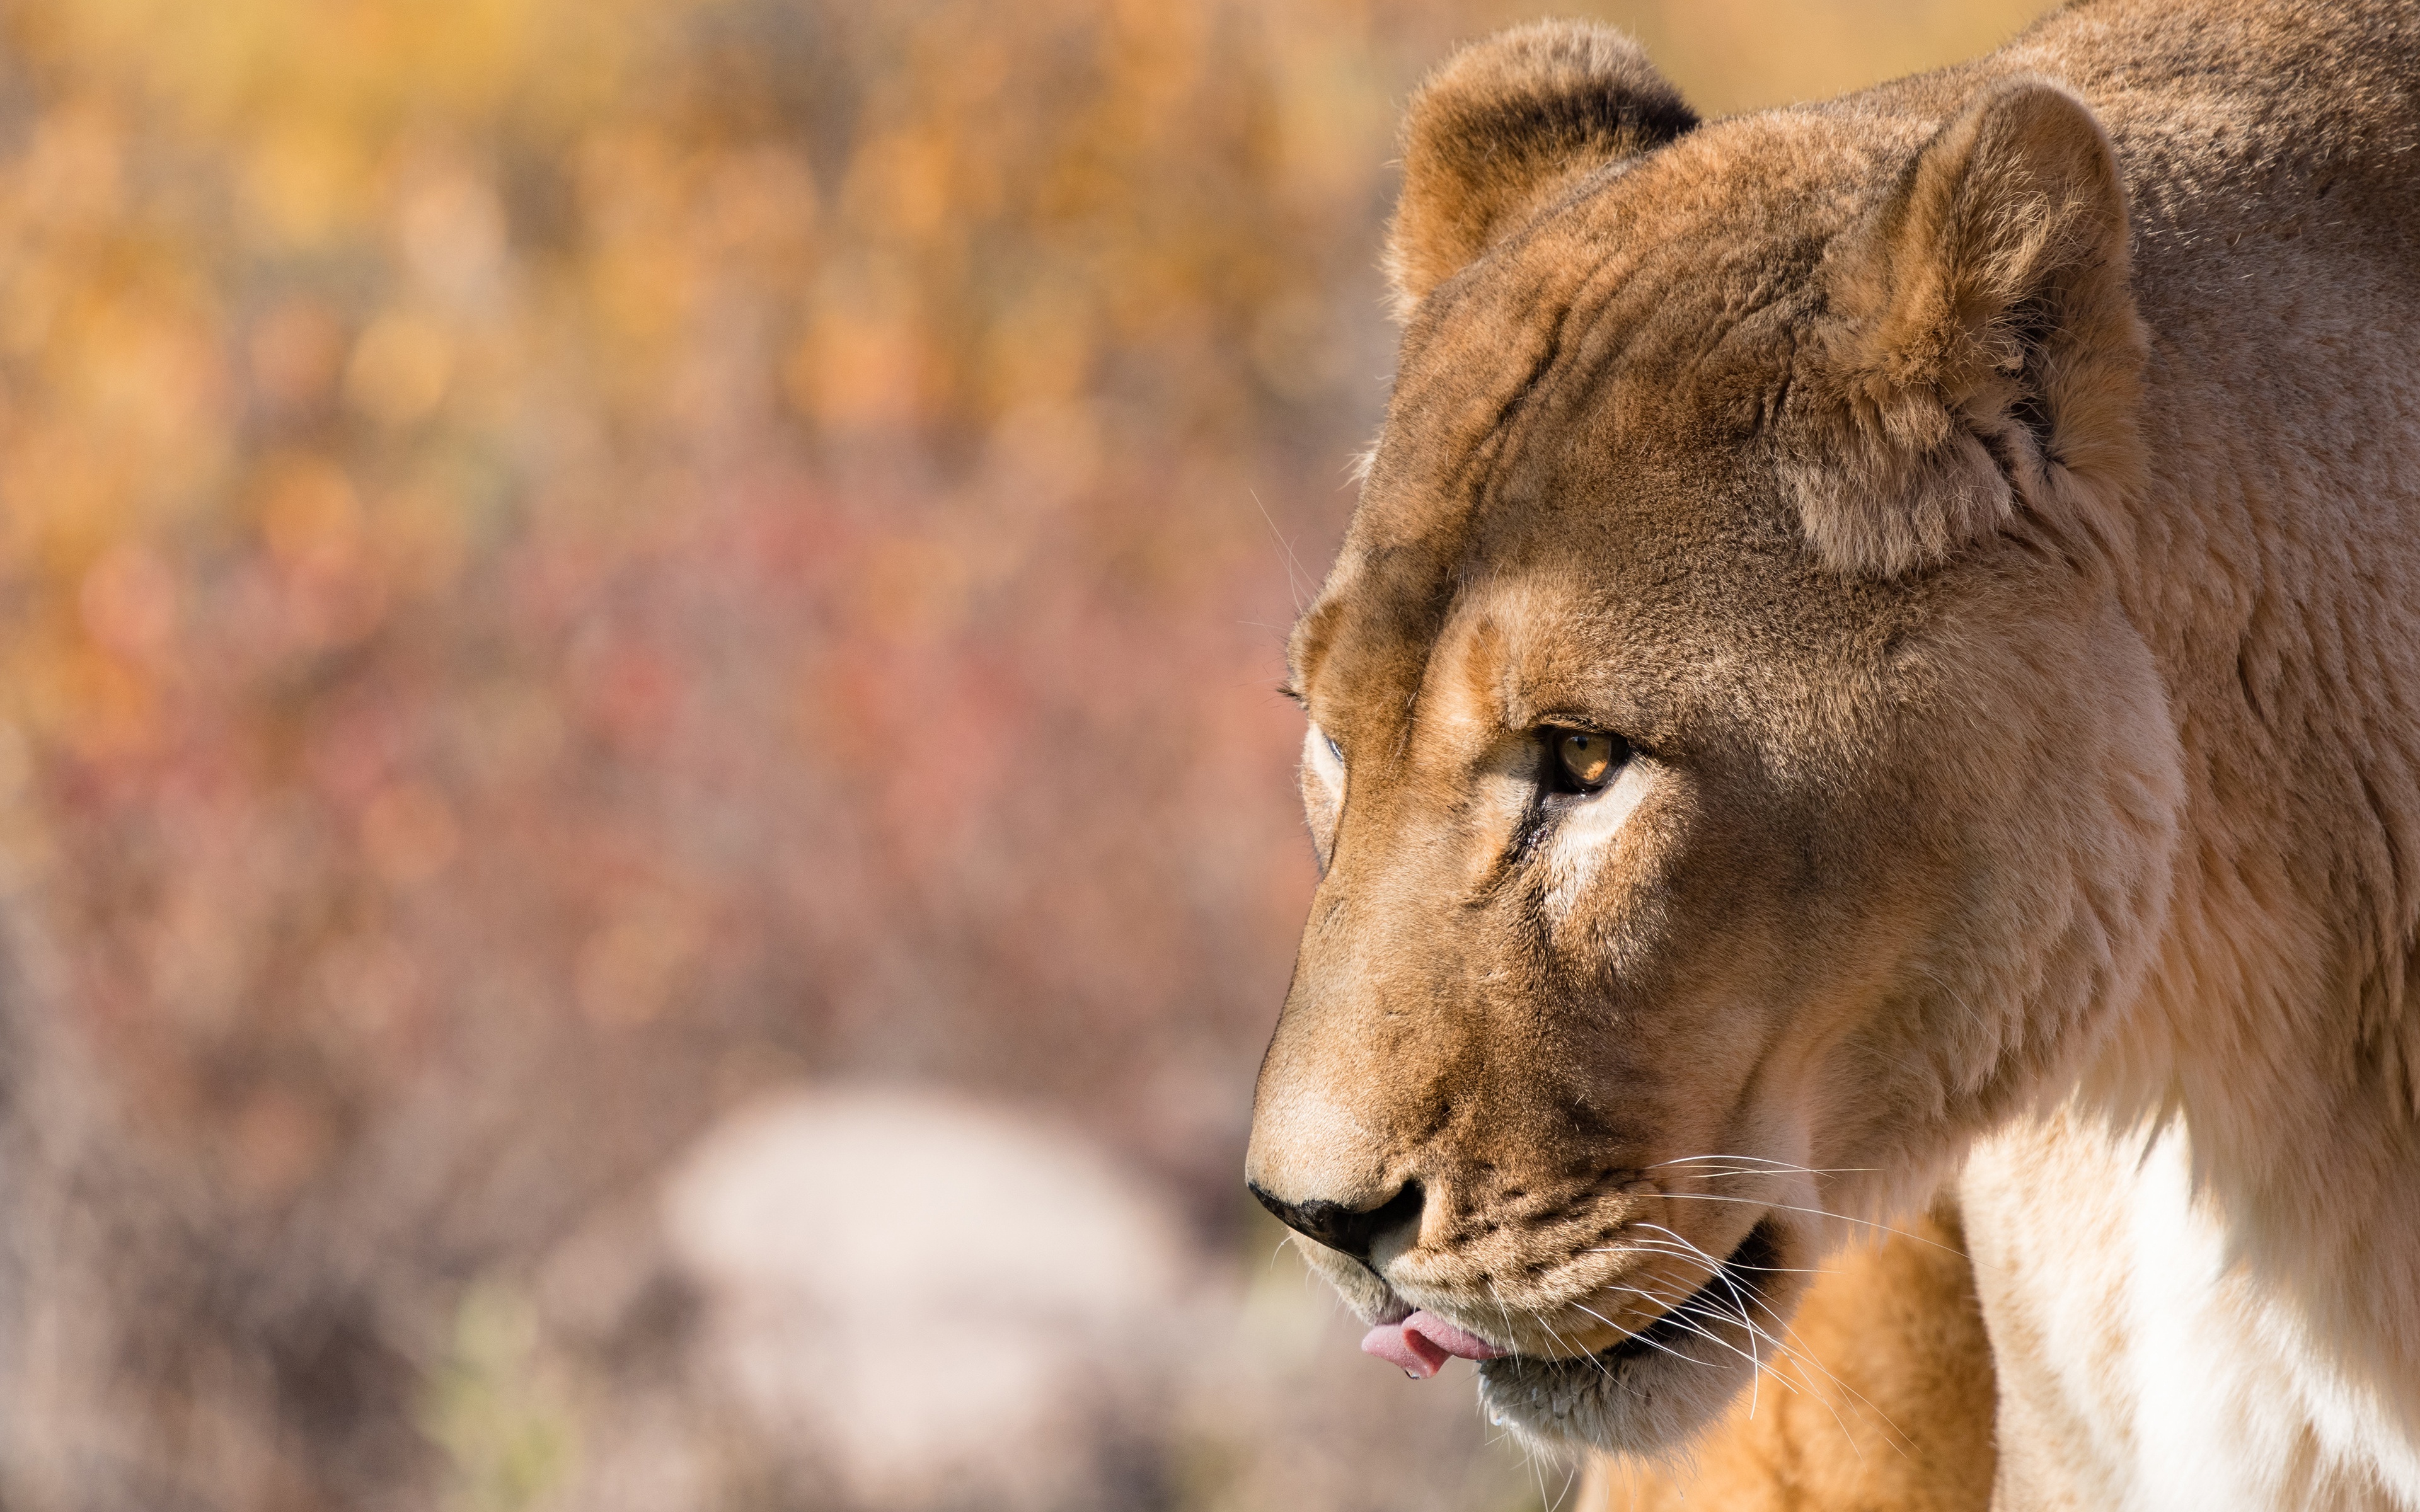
(1559, 779)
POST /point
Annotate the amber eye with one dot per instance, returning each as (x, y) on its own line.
(1586, 757)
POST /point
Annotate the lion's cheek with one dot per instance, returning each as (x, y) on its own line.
(2061, 819)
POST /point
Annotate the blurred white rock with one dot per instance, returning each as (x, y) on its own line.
(938, 1303)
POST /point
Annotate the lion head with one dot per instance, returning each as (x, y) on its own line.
(1735, 776)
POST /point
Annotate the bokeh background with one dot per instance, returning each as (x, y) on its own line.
(648, 840)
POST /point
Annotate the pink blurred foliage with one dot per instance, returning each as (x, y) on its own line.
(581, 588)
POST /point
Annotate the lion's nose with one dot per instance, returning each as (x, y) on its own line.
(1340, 1228)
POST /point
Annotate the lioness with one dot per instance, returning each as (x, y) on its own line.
(1877, 669)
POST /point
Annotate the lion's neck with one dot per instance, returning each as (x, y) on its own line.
(2127, 1332)
(2277, 574)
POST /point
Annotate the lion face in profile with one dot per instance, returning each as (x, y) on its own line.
(1734, 782)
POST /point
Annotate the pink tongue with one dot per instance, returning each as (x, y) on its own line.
(1422, 1343)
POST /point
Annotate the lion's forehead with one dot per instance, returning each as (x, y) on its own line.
(1659, 308)
(1604, 382)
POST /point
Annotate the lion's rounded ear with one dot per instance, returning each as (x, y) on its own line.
(1983, 349)
(1505, 124)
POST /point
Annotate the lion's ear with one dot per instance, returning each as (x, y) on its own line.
(1984, 350)
(1503, 126)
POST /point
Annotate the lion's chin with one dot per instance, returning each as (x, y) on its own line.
(1649, 1394)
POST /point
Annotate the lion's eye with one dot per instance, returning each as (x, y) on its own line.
(1322, 757)
(1585, 758)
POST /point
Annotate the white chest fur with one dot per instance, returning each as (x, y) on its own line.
(2141, 1366)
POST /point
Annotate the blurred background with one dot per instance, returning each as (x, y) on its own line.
(645, 837)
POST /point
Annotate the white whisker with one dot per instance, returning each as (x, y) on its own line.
(1820, 1212)
(1802, 1358)
(1778, 1165)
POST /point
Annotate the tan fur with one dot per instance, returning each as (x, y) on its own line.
(1990, 507)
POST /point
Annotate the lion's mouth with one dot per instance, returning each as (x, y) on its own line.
(1730, 1297)
(1582, 1397)
(1422, 1342)
(1729, 1293)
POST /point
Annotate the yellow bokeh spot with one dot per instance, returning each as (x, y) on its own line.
(399, 370)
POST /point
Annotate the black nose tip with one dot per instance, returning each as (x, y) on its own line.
(1339, 1226)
